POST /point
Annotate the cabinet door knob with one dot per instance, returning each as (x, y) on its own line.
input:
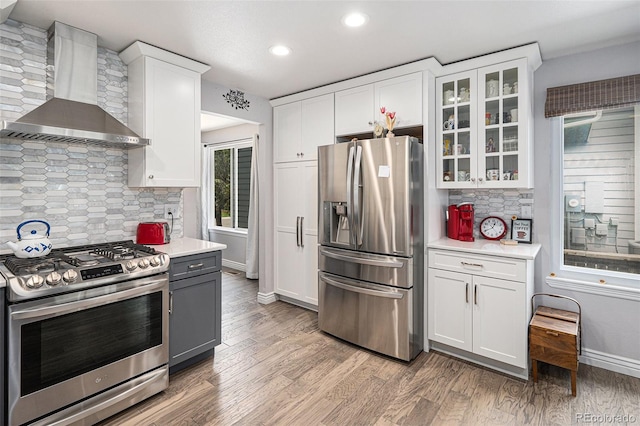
(370, 123)
(473, 179)
(302, 154)
(480, 179)
(150, 176)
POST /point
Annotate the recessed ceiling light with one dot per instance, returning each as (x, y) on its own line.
(280, 50)
(355, 19)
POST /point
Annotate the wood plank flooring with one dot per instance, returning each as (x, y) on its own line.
(275, 367)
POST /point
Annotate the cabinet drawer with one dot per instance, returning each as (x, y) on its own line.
(489, 266)
(194, 265)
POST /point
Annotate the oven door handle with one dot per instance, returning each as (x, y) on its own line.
(53, 309)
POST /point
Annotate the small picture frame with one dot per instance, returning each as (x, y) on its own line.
(521, 230)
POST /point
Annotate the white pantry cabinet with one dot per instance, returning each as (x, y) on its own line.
(296, 239)
(299, 128)
(484, 127)
(481, 303)
(164, 106)
(358, 108)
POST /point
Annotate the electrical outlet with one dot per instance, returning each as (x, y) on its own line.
(525, 212)
(171, 211)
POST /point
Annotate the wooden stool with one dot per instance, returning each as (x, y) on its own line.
(554, 338)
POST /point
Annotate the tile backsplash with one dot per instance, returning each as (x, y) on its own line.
(503, 203)
(80, 190)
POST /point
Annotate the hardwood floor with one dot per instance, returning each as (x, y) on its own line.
(275, 367)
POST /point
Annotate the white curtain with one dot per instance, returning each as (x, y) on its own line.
(204, 208)
(251, 263)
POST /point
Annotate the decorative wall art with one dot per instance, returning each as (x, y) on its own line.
(236, 99)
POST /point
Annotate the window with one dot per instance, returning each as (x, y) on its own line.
(231, 177)
(601, 193)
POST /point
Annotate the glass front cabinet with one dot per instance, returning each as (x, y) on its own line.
(483, 135)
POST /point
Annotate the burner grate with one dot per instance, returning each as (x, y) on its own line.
(36, 265)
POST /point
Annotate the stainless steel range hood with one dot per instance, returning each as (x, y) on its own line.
(71, 113)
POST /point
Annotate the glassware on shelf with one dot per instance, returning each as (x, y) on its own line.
(446, 147)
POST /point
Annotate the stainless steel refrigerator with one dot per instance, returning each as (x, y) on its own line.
(371, 236)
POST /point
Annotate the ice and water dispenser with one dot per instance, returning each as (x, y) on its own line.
(336, 223)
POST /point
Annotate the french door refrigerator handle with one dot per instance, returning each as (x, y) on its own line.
(367, 291)
(350, 191)
(370, 262)
(357, 214)
(297, 231)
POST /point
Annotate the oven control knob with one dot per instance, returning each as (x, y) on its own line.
(131, 265)
(35, 281)
(143, 264)
(70, 276)
(53, 279)
(155, 261)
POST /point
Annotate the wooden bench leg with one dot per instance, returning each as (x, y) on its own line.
(534, 365)
(573, 382)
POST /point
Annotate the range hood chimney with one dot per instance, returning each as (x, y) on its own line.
(71, 113)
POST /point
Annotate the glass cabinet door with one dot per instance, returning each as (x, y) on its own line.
(456, 135)
(501, 134)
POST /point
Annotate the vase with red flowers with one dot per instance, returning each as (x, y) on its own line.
(390, 120)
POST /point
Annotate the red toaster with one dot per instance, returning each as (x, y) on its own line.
(153, 233)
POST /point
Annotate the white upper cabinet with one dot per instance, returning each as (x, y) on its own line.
(484, 128)
(402, 95)
(354, 110)
(317, 125)
(287, 131)
(299, 128)
(357, 109)
(164, 106)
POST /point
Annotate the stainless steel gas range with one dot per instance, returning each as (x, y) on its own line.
(87, 332)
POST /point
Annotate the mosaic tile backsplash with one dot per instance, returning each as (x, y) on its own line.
(503, 203)
(80, 190)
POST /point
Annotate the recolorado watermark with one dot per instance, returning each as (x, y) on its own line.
(605, 418)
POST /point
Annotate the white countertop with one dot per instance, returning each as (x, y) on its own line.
(185, 246)
(487, 247)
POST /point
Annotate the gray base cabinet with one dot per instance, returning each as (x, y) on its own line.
(195, 307)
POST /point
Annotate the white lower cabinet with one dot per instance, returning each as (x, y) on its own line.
(296, 239)
(472, 310)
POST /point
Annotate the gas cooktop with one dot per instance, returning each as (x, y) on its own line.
(74, 268)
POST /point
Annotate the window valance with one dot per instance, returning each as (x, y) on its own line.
(604, 94)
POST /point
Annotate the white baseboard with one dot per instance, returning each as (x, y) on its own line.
(300, 303)
(234, 265)
(622, 365)
(266, 298)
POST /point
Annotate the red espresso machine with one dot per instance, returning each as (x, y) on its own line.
(460, 221)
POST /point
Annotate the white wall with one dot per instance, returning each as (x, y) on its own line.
(260, 111)
(241, 131)
(611, 326)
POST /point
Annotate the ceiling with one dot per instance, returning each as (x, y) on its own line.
(233, 37)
